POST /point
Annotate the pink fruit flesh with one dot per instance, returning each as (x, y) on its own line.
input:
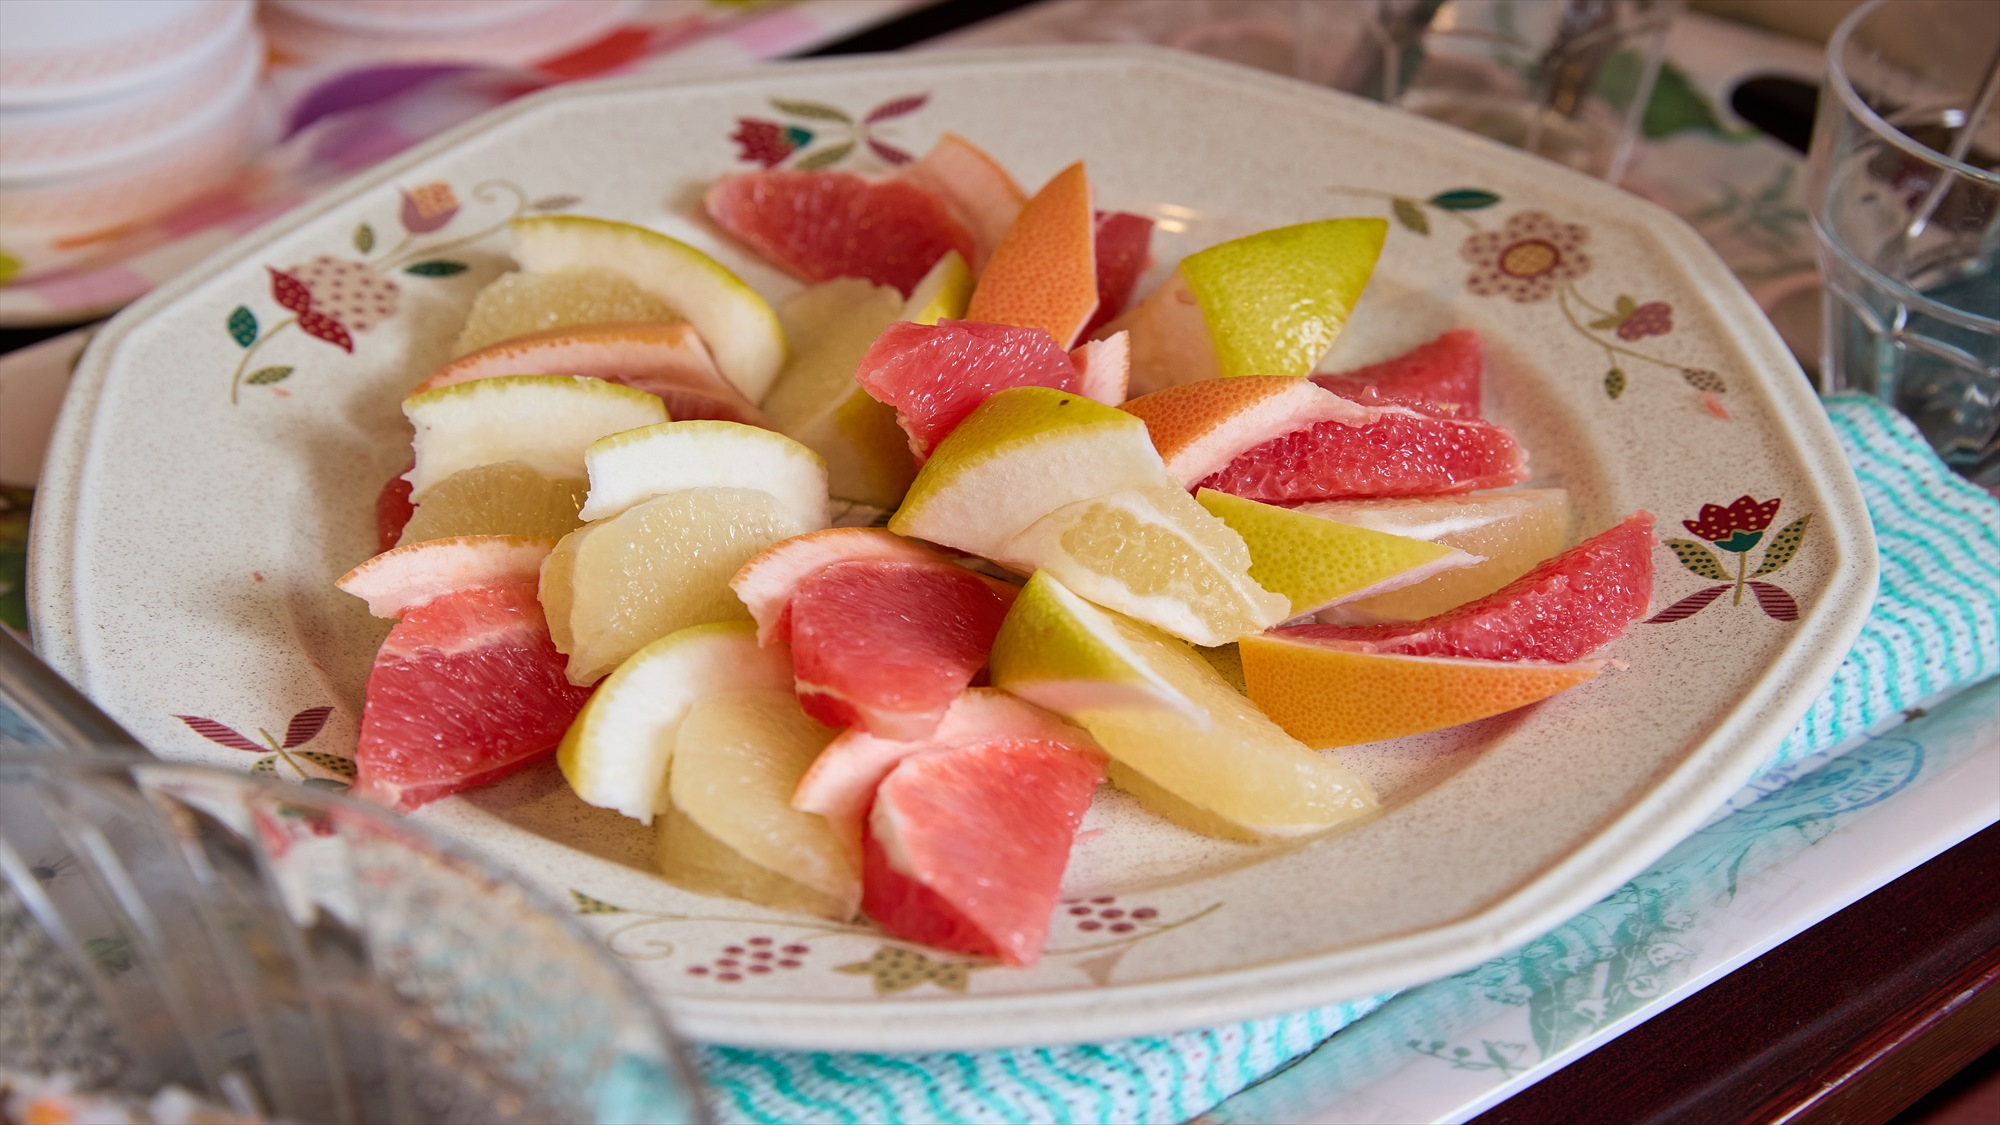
(1400, 452)
(1123, 241)
(886, 646)
(467, 688)
(1572, 604)
(936, 375)
(393, 510)
(668, 360)
(966, 848)
(820, 225)
(1446, 372)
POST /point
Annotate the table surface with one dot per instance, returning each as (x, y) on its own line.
(1853, 1020)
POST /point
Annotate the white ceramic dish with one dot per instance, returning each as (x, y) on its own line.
(186, 543)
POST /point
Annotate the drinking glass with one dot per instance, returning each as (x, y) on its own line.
(1904, 192)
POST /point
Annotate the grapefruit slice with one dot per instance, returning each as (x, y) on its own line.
(1122, 242)
(1570, 605)
(819, 225)
(935, 375)
(1511, 530)
(1199, 428)
(1390, 451)
(1331, 693)
(766, 583)
(509, 498)
(1446, 372)
(403, 578)
(1044, 273)
(841, 782)
(466, 689)
(633, 466)
(886, 645)
(966, 847)
(668, 360)
(520, 303)
(978, 191)
(1104, 368)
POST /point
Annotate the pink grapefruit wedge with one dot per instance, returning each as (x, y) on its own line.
(1104, 368)
(934, 375)
(978, 191)
(403, 578)
(1571, 605)
(1200, 427)
(767, 582)
(819, 225)
(966, 847)
(1123, 243)
(1446, 372)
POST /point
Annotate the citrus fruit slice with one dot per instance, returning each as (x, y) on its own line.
(1180, 738)
(976, 189)
(1570, 605)
(819, 225)
(1199, 428)
(1315, 563)
(737, 757)
(633, 466)
(668, 360)
(1122, 241)
(542, 421)
(1044, 273)
(1270, 303)
(466, 689)
(1104, 368)
(1445, 372)
(617, 753)
(393, 509)
(613, 586)
(404, 578)
(766, 583)
(886, 645)
(1329, 693)
(1020, 455)
(966, 847)
(942, 294)
(509, 498)
(1153, 554)
(523, 304)
(739, 328)
(1511, 531)
(840, 784)
(935, 375)
(817, 402)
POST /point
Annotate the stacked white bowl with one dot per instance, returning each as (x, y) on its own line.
(113, 112)
(488, 32)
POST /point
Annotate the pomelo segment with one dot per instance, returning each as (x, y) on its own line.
(1104, 368)
(819, 225)
(1315, 563)
(519, 304)
(1396, 452)
(1044, 273)
(509, 498)
(1123, 252)
(618, 752)
(1570, 605)
(1446, 372)
(542, 421)
(886, 645)
(1188, 746)
(766, 583)
(966, 847)
(1199, 428)
(1512, 530)
(841, 783)
(668, 360)
(403, 578)
(817, 402)
(974, 186)
(633, 466)
(466, 689)
(936, 375)
(737, 757)
(1328, 693)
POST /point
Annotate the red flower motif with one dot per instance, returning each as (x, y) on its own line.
(765, 142)
(1737, 527)
(290, 292)
(323, 327)
(1654, 318)
(428, 207)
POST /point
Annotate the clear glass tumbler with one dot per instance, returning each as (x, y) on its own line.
(1904, 192)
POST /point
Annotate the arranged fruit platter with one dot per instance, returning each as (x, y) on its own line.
(917, 565)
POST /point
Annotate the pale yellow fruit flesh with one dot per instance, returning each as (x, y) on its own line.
(737, 759)
(654, 569)
(505, 499)
(517, 303)
(817, 402)
(1513, 530)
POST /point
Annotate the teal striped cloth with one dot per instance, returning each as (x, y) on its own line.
(1935, 625)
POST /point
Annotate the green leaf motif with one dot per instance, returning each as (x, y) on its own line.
(824, 157)
(1626, 304)
(585, 904)
(1410, 215)
(1603, 323)
(1464, 199)
(267, 375)
(267, 766)
(1614, 382)
(818, 111)
(437, 267)
(1783, 546)
(331, 763)
(364, 238)
(243, 326)
(1697, 558)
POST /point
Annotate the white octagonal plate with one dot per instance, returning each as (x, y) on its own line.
(217, 463)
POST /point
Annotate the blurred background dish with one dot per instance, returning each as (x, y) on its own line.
(60, 51)
(419, 17)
